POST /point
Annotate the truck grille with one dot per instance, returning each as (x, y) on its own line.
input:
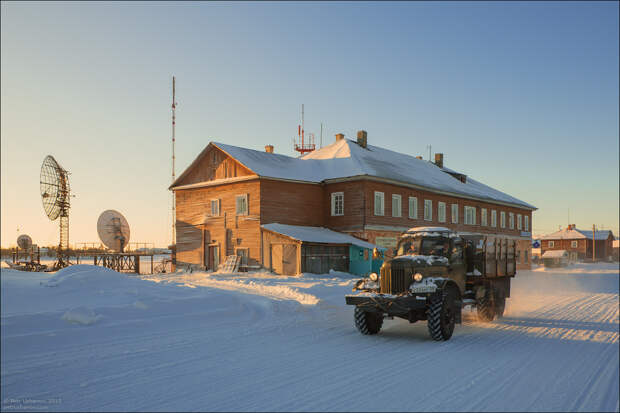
(394, 280)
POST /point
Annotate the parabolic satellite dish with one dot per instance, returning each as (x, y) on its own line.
(113, 230)
(24, 241)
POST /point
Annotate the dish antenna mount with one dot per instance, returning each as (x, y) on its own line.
(55, 194)
(113, 230)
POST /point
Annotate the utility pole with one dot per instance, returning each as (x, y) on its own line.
(174, 106)
(430, 147)
(593, 242)
(321, 134)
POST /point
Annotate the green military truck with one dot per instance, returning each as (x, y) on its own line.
(434, 274)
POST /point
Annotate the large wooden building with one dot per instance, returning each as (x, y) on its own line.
(374, 194)
(580, 244)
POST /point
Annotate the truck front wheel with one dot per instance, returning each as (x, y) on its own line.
(366, 322)
(441, 316)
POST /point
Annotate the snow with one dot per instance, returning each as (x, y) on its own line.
(429, 259)
(345, 158)
(316, 234)
(428, 229)
(264, 342)
(567, 233)
(555, 254)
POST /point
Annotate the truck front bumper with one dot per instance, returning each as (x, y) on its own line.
(392, 305)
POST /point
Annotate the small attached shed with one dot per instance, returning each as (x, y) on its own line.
(555, 258)
(294, 249)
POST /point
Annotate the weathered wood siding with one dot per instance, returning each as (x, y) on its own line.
(292, 203)
(196, 227)
(214, 164)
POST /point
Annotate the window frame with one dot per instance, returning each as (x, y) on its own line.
(502, 219)
(511, 220)
(334, 204)
(454, 213)
(574, 244)
(472, 210)
(494, 218)
(527, 223)
(429, 210)
(439, 210)
(551, 244)
(400, 205)
(413, 207)
(218, 202)
(247, 204)
(382, 197)
(483, 217)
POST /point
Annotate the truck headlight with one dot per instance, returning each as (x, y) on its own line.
(417, 277)
(374, 277)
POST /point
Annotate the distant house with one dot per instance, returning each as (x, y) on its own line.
(579, 243)
(555, 258)
(228, 195)
(616, 250)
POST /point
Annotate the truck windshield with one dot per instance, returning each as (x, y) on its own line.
(424, 246)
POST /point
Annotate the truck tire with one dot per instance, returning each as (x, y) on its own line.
(500, 305)
(441, 316)
(368, 323)
(485, 307)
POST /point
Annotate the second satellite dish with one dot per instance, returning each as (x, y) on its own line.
(24, 242)
(113, 230)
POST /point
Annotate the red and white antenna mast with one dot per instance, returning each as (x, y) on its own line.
(303, 147)
(174, 106)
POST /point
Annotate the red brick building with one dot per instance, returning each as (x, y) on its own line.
(375, 194)
(578, 243)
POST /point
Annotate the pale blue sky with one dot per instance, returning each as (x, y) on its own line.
(521, 96)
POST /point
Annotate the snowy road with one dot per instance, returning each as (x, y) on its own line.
(90, 339)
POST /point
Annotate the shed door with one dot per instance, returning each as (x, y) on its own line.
(289, 259)
(276, 258)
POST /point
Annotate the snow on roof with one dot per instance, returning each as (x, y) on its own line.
(316, 234)
(574, 233)
(345, 158)
(555, 254)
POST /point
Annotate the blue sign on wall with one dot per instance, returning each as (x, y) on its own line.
(536, 244)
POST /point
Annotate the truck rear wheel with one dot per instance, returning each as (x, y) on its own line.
(500, 305)
(485, 307)
(366, 322)
(441, 316)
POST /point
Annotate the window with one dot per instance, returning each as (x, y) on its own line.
(337, 204)
(428, 210)
(379, 197)
(441, 212)
(397, 206)
(518, 256)
(483, 217)
(551, 244)
(502, 219)
(413, 207)
(242, 204)
(493, 218)
(215, 207)
(519, 221)
(511, 220)
(527, 223)
(470, 215)
(455, 213)
(573, 244)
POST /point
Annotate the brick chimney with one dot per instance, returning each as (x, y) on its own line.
(362, 138)
(419, 157)
(269, 148)
(570, 226)
(339, 136)
(439, 159)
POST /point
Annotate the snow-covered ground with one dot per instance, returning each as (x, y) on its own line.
(87, 338)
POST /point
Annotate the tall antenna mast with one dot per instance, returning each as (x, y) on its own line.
(174, 106)
(304, 148)
(321, 134)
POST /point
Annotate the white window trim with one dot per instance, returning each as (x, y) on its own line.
(494, 218)
(502, 219)
(473, 215)
(399, 211)
(247, 205)
(334, 196)
(483, 217)
(454, 213)
(219, 207)
(519, 222)
(382, 211)
(574, 244)
(551, 244)
(527, 223)
(511, 220)
(413, 207)
(429, 209)
(439, 210)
